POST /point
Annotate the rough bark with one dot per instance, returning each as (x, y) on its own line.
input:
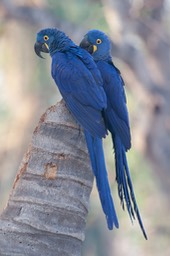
(47, 209)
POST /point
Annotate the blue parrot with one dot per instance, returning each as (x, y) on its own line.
(81, 86)
(116, 117)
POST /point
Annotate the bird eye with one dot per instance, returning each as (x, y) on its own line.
(98, 41)
(46, 37)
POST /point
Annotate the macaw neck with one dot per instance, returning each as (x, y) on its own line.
(61, 43)
(98, 57)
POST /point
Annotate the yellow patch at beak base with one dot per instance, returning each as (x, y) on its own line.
(46, 46)
(94, 48)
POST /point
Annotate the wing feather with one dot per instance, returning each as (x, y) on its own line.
(116, 114)
(83, 96)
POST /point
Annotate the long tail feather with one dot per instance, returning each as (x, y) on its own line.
(96, 153)
(125, 187)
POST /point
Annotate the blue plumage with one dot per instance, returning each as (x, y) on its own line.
(95, 149)
(115, 116)
(81, 86)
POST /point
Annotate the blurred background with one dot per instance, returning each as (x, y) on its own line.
(139, 30)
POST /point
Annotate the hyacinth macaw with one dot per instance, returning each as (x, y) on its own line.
(115, 115)
(80, 84)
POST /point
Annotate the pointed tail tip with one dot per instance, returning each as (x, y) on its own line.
(145, 235)
(112, 224)
(116, 225)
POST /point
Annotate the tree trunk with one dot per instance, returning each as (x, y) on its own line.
(47, 209)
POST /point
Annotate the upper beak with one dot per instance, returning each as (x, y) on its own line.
(85, 44)
(41, 47)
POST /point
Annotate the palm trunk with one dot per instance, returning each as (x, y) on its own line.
(47, 209)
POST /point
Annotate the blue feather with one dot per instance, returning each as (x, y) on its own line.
(125, 187)
(95, 149)
(129, 181)
(116, 118)
(81, 85)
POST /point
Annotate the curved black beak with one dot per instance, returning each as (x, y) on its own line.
(85, 44)
(40, 47)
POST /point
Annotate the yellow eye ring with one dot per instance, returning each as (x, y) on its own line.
(98, 41)
(46, 37)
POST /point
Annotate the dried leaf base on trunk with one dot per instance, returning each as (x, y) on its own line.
(47, 210)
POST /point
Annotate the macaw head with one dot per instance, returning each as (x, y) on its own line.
(96, 43)
(51, 40)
